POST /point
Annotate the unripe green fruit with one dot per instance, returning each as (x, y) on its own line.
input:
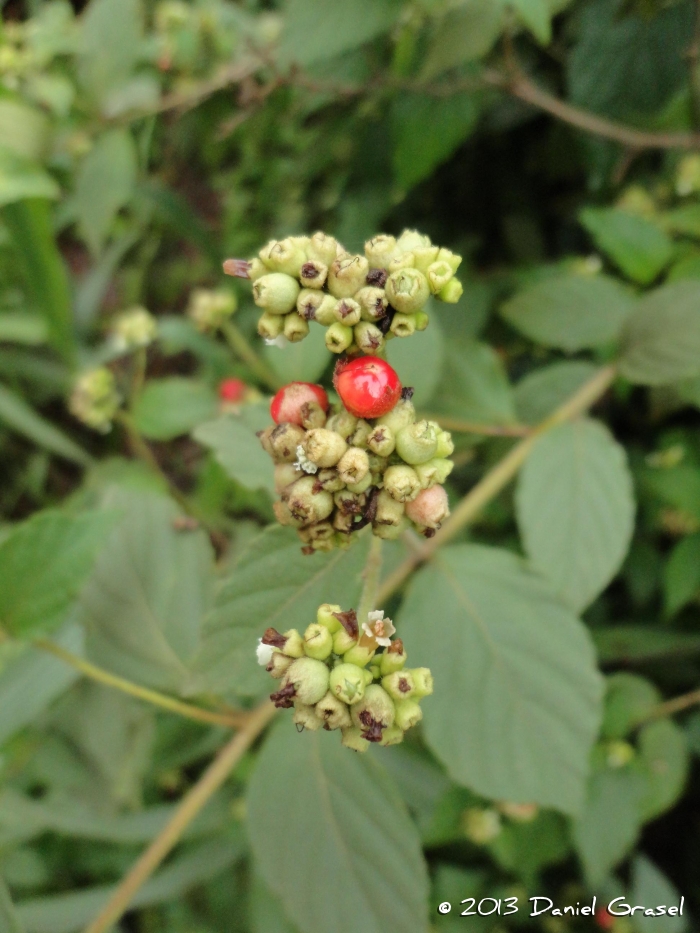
(389, 511)
(391, 661)
(407, 290)
(347, 276)
(307, 505)
(350, 503)
(343, 641)
(347, 683)
(403, 325)
(278, 665)
(285, 475)
(284, 516)
(285, 256)
(284, 440)
(324, 447)
(325, 616)
(424, 257)
(343, 423)
(322, 248)
(402, 483)
(313, 415)
(310, 679)
(452, 292)
(353, 466)
(452, 259)
(393, 735)
(343, 521)
(417, 442)
(348, 312)
(295, 327)
(445, 444)
(308, 302)
(401, 261)
(353, 738)
(321, 531)
(423, 681)
(399, 685)
(313, 273)
(333, 713)
(430, 508)
(379, 250)
(359, 436)
(329, 480)
(362, 486)
(408, 714)
(381, 440)
(338, 337)
(400, 416)
(412, 239)
(390, 532)
(276, 292)
(359, 655)
(318, 642)
(438, 275)
(373, 302)
(294, 644)
(305, 716)
(270, 326)
(422, 320)
(374, 712)
(256, 269)
(368, 337)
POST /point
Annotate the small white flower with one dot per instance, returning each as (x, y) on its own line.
(280, 341)
(263, 653)
(303, 463)
(379, 628)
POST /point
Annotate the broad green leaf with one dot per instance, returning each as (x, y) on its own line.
(21, 178)
(630, 644)
(149, 590)
(663, 750)
(651, 887)
(110, 46)
(272, 584)
(348, 859)
(235, 445)
(517, 695)
(266, 914)
(629, 701)
(610, 821)
(677, 486)
(575, 509)
(683, 220)
(419, 360)
(73, 911)
(682, 574)
(309, 37)
(41, 266)
(662, 336)
(416, 153)
(22, 327)
(173, 406)
(17, 415)
(24, 130)
(104, 184)
(525, 848)
(473, 384)
(304, 361)
(536, 15)
(420, 780)
(44, 562)
(540, 392)
(463, 35)
(570, 312)
(9, 920)
(639, 248)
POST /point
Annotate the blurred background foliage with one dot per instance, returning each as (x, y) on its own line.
(551, 144)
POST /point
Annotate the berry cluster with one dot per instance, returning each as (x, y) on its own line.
(338, 675)
(361, 300)
(366, 461)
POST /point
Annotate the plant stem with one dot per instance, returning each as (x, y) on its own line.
(138, 378)
(245, 352)
(371, 575)
(499, 477)
(676, 705)
(189, 807)
(96, 673)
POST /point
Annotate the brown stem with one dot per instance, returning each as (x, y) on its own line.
(676, 705)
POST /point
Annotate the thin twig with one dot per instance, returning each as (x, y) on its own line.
(498, 478)
(189, 807)
(676, 705)
(232, 720)
(245, 352)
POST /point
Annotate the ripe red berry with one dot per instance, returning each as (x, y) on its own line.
(232, 390)
(367, 386)
(604, 920)
(287, 404)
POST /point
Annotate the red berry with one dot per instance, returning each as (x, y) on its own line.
(604, 920)
(232, 390)
(287, 404)
(367, 386)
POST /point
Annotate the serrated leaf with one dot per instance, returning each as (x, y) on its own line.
(651, 887)
(610, 821)
(517, 695)
(416, 154)
(575, 509)
(570, 312)
(173, 406)
(272, 584)
(540, 392)
(473, 384)
(43, 564)
(346, 832)
(638, 248)
(463, 35)
(236, 447)
(148, 593)
(682, 574)
(104, 183)
(662, 337)
(663, 751)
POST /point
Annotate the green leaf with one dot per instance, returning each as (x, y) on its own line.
(304, 361)
(24, 130)
(235, 445)
(9, 921)
(266, 914)
(540, 392)
(637, 247)
(110, 46)
(629, 700)
(311, 37)
(416, 153)
(473, 384)
(662, 336)
(43, 564)
(348, 858)
(684, 220)
(630, 644)
(517, 694)
(463, 35)
(147, 595)
(609, 824)
(41, 265)
(536, 15)
(526, 848)
(17, 415)
(272, 584)
(682, 574)
(173, 406)
(570, 312)
(419, 360)
(104, 184)
(575, 509)
(23, 327)
(663, 751)
(21, 178)
(651, 887)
